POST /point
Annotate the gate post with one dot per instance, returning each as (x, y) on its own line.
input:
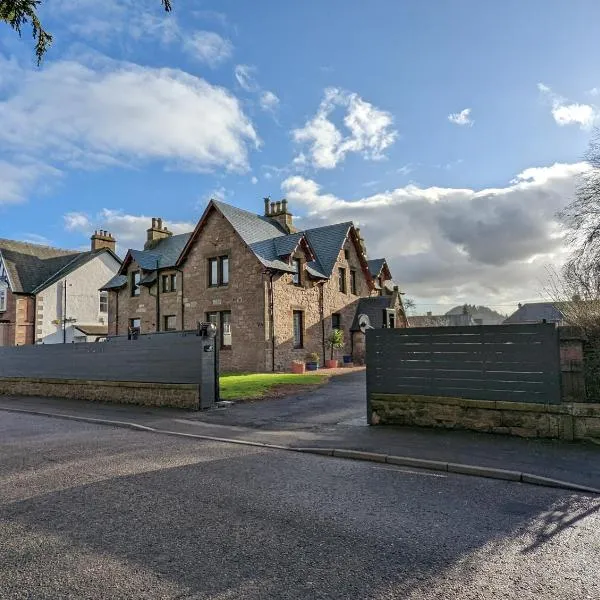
(209, 367)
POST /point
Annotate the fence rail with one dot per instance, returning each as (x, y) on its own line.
(495, 362)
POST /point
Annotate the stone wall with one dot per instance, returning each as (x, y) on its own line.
(122, 392)
(564, 421)
(306, 298)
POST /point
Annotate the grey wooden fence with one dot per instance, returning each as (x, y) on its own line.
(170, 358)
(494, 362)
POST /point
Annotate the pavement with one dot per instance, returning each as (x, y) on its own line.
(334, 416)
(90, 511)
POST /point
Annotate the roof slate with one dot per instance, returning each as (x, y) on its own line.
(372, 307)
(117, 282)
(536, 312)
(33, 267)
(375, 266)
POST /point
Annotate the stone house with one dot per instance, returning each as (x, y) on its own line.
(274, 293)
(49, 295)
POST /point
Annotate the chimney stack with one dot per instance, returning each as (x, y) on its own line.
(103, 239)
(156, 233)
(267, 201)
(279, 212)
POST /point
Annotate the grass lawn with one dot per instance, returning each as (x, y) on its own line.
(257, 385)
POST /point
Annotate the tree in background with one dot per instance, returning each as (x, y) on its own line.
(576, 290)
(409, 305)
(19, 13)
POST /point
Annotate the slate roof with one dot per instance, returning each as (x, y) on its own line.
(33, 267)
(117, 282)
(373, 308)
(375, 265)
(535, 312)
(326, 243)
(286, 244)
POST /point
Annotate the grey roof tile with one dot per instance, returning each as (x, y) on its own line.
(117, 282)
(326, 243)
(372, 307)
(375, 265)
(536, 312)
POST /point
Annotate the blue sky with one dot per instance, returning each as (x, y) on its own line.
(451, 131)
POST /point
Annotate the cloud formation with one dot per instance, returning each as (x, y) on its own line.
(369, 131)
(245, 75)
(462, 118)
(17, 179)
(209, 47)
(570, 113)
(118, 113)
(129, 230)
(455, 245)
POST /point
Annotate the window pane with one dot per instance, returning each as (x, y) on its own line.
(135, 283)
(226, 328)
(165, 283)
(213, 317)
(224, 270)
(135, 323)
(342, 278)
(353, 282)
(170, 323)
(213, 272)
(174, 282)
(298, 329)
(336, 321)
(296, 277)
(103, 302)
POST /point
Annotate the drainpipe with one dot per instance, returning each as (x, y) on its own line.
(64, 319)
(157, 298)
(272, 318)
(182, 301)
(116, 312)
(322, 313)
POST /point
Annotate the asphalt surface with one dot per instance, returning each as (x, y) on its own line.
(100, 512)
(334, 416)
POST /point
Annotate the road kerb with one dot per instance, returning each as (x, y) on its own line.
(556, 483)
(407, 461)
(484, 472)
(359, 455)
(420, 463)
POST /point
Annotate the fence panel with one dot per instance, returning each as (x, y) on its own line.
(489, 362)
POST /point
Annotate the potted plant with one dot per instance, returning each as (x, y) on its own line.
(298, 367)
(312, 361)
(335, 341)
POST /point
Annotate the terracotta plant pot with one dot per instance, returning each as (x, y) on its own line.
(298, 368)
(331, 364)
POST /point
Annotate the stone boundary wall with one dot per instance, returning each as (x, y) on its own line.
(573, 421)
(175, 395)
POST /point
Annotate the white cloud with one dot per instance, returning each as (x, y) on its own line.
(570, 113)
(269, 101)
(129, 230)
(245, 76)
(594, 91)
(122, 113)
(490, 245)
(254, 180)
(209, 47)
(369, 134)
(461, 118)
(18, 179)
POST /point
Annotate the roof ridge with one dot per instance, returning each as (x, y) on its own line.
(44, 246)
(347, 223)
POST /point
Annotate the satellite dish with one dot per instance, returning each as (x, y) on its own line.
(364, 323)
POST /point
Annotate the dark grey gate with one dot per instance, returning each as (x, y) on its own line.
(489, 362)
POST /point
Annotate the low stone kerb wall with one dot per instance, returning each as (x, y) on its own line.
(176, 395)
(563, 421)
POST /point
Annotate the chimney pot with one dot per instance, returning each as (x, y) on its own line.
(272, 208)
(429, 313)
(284, 205)
(159, 223)
(267, 200)
(278, 207)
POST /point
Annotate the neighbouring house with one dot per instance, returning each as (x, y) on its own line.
(50, 296)
(274, 293)
(431, 320)
(536, 312)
